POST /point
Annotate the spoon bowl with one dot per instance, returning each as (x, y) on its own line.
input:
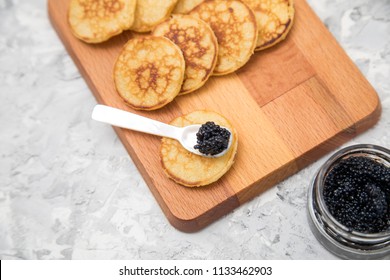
(189, 140)
(185, 135)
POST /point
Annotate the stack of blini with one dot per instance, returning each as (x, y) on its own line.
(187, 42)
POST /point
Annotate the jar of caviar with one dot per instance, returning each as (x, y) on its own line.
(349, 203)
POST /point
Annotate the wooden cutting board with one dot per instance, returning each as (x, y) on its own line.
(290, 104)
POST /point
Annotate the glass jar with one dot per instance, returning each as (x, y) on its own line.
(334, 236)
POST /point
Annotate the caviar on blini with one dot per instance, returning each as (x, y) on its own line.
(357, 194)
(212, 139)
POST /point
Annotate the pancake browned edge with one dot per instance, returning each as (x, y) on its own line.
(192, 170)
(274, 20)
(149, 72)
(95, 21)
(185, 6)
(149, 13)
(235, 26)
(198, 44)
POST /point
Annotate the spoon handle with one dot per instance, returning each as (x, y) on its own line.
(135, 122)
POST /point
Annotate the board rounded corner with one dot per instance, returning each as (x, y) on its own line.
(373, 115)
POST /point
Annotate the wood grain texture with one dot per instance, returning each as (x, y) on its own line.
(290, 104)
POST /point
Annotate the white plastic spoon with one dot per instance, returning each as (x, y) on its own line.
(185, 135)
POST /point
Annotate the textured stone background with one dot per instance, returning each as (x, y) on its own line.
(68, 190)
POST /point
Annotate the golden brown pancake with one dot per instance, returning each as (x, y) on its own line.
(185, 6)
(95, 21)
(274, 20)
(198, 44)
(193, 170)
(235, 27)
(149, 13)
(149, 72)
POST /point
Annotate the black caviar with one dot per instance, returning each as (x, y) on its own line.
(357, 194)
(212, 139)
